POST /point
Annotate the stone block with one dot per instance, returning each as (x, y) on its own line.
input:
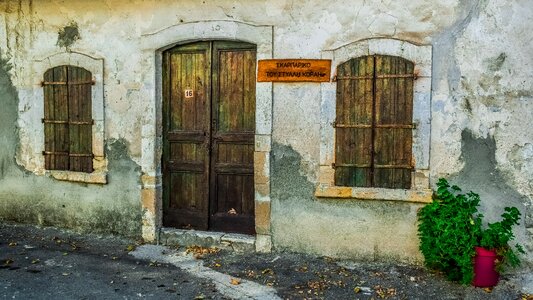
(148, 199)
(262, 167)
(262, 217)
(262, 190)
(421, 180)
(326, 175)
(263, 243)
(239, 242)
(173, 237)
(263, 143)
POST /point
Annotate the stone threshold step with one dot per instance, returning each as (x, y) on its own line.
(229, 241)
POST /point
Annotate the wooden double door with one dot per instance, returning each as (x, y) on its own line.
(208, 136)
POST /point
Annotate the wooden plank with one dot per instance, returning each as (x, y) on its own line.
(354, 111)
(61, 131)
(74, 104)
(249, 91)
(394, 143)
(294, 70)
(80, 119)
(49, 142)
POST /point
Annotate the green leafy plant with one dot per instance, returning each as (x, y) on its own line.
(451, 227)
(498, 235)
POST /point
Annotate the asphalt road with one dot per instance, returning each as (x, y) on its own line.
(47, 263)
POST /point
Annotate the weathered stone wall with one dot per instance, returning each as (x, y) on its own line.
(480, 110)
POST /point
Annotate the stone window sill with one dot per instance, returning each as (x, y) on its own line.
(402, 195)
(95, 177)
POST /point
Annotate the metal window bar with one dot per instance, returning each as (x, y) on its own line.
(68, 154)
(376, 166)
(91, 82)
(47, 121)
(363, 126)
(414, 76)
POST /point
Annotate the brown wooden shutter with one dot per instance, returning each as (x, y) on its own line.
(353, 143)
(393, 122)
(373, 142)
(68, 119)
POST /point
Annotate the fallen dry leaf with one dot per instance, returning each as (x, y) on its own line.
(357, 290)
(267, 271)
(130, 248)
(235, 281)
(8, 262)
(13, 244)
(488, 289)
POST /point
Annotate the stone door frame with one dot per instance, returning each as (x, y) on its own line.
(152, 45)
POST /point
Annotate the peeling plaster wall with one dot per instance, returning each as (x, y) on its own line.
(482, 107)
(25, 197)
(481, 97)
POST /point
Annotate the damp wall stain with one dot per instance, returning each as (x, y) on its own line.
(379, 230)
(68, 35)
(27, 198)
(481, 175)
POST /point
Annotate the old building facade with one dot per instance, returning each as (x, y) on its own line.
(131, 117)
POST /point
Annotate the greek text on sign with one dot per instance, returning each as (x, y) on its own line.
(294, 70)
(189, 94)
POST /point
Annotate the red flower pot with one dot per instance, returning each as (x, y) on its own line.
(485, 274)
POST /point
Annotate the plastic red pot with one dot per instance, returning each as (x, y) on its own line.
(485, 274)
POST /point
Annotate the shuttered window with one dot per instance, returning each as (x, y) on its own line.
(373, 136)
(68, 119)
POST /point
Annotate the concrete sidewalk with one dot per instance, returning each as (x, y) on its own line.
(47, 263)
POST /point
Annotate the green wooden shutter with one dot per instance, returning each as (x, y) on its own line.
(68, 119)
(373, 142)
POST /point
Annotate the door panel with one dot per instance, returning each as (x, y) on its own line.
(209, 138)
(186, 136)
(233, 130)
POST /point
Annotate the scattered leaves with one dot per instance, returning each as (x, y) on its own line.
(384, 293)
(302, 269)
(199, 251)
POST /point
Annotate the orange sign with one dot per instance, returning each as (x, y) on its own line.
(294, 70)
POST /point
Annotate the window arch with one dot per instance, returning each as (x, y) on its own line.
(68, 119)
(374, 122)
